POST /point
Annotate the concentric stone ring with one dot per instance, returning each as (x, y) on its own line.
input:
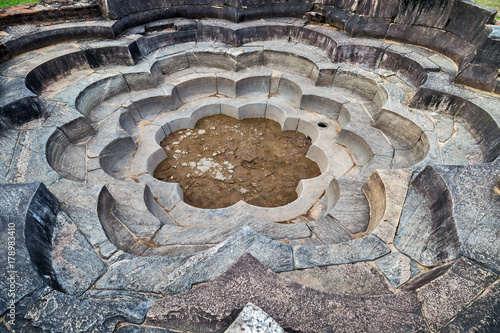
(399, 231)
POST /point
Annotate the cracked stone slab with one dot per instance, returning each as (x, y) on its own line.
(208, 264)
(361, 279)
(352, 210)
(130, 273)
(476, 210)
(171, 235)
(211, 306)
(131, 209)
(397, 268)
(80, 202)
(253, 319)
(446, 291)
(329, 231)
(363, 249)
(427, 232)
(29, 161)
(76, 264)
(52, 311)
(386, 192)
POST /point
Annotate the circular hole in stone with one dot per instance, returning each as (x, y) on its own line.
(223, 160)
(322, 125)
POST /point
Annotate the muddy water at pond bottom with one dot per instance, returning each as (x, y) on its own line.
(223, 160)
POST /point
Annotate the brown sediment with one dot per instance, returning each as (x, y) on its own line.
(223, 160)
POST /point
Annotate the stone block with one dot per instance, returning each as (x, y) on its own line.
(374, 8)
(209, 264)
(295, 307)
(350, 279)
(397, 268)
(366, 26)
(139, 274)
(367, 248)
(479, 77)
(76, 265)
(38, 79)
(434, 239)
(482, 314)
(329, 231)
(251, 319)
(450, 289)
(432, 14)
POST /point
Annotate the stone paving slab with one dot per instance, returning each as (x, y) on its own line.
(207, 309)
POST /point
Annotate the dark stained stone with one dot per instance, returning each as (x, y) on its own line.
(476, 76)
(212, 307)
(19, 202)
(348, 279)
(445, 292)
(361, 26)
(483, 315)
(388, 8)
(18, 105)
(476, 208)
(427, 231)
(431, 13)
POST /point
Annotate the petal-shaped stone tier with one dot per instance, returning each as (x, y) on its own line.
(404, 228)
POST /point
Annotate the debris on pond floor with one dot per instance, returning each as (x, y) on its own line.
(223, 160)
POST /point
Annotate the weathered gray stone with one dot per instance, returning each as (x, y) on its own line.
(30, 162)
(174, 251)
(208, 264)
(253, 319)
(350, 279)
(397, 268)
(130, 273)
(66, 158)
(386, 192)
(171, 235)
(482, 315)
(294, 307)
(352, 210)
(329, 231)
(448, 293)
(76, 264)
(427, 231)
(364, 249)
(131, 209)
(80, 202)
(53, 311)
(8, 143)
